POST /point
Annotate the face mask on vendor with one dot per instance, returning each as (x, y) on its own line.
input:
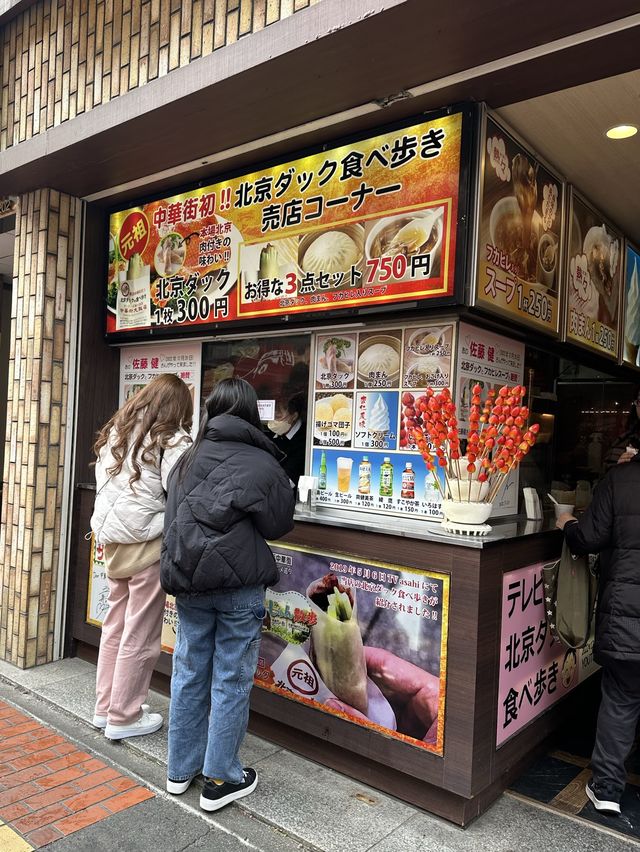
(279, 427)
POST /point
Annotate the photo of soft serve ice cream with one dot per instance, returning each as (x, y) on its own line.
(378, 417)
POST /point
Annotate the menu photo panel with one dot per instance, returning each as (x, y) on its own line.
(488, 360)
(369, 386)
(593, 271)
(631, 307)
(520, 232)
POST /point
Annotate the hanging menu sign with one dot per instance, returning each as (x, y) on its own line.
(519, 238)
(631, 321)
(594, 276)
(369, 388)
(373, 222)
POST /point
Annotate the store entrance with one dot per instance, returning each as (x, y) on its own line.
(557, 779)
(586, 409)
(6, 270)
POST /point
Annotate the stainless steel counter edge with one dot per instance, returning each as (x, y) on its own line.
(502, 528)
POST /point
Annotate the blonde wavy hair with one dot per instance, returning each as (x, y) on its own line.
(156, 411)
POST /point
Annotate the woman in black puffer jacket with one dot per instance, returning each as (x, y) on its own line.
(227, 496)
(611, 527)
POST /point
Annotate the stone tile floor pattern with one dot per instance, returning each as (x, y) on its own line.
(49, 788)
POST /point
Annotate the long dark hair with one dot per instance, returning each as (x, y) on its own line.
(230, 396)
(153, 415)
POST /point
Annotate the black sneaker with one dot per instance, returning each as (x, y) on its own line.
(215, 796)
(603, 799)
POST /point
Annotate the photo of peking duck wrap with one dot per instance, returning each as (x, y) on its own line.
(336, 641)
(363, 640)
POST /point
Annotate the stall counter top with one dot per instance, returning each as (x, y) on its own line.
(502, 528)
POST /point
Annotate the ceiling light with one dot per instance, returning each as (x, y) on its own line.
(622, 131)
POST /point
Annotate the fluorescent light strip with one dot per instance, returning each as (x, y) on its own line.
(366, 109)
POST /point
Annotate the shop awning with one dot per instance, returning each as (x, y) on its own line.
(328, 71)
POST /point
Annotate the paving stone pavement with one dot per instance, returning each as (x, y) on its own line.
(298, 804)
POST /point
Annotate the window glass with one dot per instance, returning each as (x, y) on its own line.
(278, 369)
(587, 418)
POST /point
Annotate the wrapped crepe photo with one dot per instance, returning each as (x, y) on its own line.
(336, 641)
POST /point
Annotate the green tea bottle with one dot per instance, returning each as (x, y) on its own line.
(322, 479)
(386, 478)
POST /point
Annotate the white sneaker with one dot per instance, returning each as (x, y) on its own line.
(177, 788)
(101, 721)
(148, 723)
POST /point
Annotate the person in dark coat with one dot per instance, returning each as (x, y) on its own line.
(227, 496)
(611, 527)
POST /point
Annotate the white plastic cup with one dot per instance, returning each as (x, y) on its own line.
(563, 509)
(344, 474)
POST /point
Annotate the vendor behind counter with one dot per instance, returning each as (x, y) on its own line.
(289, 434)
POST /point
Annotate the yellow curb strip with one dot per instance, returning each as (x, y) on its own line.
(12, 842)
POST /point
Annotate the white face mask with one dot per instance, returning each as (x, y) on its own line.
(279, 427)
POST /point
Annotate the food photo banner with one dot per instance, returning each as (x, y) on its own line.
(489, 361)
(372, 222)
(595, 264)
(365, 641)
(519, 234)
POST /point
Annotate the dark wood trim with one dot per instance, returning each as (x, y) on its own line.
(97, 400)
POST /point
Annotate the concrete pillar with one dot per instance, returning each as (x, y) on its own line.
(42, 319)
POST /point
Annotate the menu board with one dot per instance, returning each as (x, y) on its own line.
(631, 333)
(491, 361)
(140, 364)
(382, 665)
(535, 671)
(372, 222)
(594, 275)
(519, 234)
(367, 392)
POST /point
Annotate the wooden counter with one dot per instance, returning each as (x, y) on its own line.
(472, 771)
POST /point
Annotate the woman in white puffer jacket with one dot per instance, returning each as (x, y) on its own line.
(135, 451)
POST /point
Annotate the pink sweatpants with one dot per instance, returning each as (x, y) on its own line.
(130, 645)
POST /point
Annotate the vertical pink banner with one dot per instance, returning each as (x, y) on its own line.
(534, 672)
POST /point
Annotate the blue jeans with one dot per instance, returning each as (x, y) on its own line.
(214, 661)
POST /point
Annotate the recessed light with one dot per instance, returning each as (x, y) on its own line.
(622, 131)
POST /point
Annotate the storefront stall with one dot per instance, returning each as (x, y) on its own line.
(415, 659)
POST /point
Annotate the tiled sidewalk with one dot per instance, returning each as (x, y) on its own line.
(49, 788)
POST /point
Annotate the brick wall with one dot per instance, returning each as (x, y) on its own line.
(36, 423)
(60, 58)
